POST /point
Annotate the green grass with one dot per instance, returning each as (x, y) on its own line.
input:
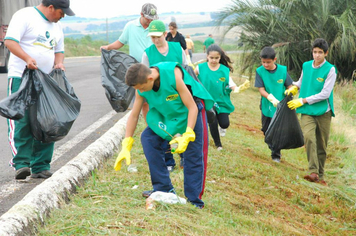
(246, 193)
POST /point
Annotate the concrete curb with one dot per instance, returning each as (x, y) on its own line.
(23, 217)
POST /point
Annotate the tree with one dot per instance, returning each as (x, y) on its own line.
(290, 26)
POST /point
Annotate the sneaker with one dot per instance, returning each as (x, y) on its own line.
(170, 168)
(278, 160)
(313, 177)
(322, 182)
(147, 193)
(222, 132)
(22, 173)
(220, 148)
(42, 175)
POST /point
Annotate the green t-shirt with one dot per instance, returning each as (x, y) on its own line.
(209, 41)
(312, 83)
(217, 84)
(174, 53)
(274, 83)
(167, 113)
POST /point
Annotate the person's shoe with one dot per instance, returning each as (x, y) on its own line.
(147, 193)
(42, 175)
(278, 160)
(170, 168)
(322, 182)
(313, 177)
(220, 148)
(222, 132)
(22, 173)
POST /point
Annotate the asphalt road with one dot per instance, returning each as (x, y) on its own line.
(95, 118)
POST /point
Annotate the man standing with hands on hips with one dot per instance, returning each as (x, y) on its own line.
(35, 40)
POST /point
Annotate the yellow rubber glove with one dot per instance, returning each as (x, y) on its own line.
(272, 99)
(242, 87)
(189, 62)
(294, 104)
(124, 153)
(183, 141)
(294, 90)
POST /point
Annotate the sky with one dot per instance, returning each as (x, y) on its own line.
(114, 8)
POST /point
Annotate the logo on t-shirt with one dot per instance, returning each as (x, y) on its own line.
(162, 126)
(222, 79)
(171, 97)
(320, 80)
(280, 81)
(47, 34)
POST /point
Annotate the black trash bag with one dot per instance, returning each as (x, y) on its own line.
(114, 65)
(56, 109)
(14, 106)
(284, 131)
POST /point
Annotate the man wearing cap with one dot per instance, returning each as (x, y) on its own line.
(135, 33)
(35, 39)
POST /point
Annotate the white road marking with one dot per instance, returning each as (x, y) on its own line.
(8, 189)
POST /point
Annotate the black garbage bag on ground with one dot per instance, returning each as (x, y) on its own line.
(284, 131)
(56, 109)
(14, 106)
(114, 65)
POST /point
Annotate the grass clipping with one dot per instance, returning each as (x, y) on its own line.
(246, 193)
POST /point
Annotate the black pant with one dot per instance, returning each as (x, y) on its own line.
(221, 120)
(265, 123)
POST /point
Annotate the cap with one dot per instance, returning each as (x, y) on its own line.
(156, 28)
(62, 4)
(149, 11)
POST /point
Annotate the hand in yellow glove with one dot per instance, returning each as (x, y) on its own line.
(183, 141)
(294, 104)
(294, 90)
(189, 62)
(272, 99)
(124, 153)
(242, 87)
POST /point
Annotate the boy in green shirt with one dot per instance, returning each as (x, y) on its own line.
(271, 80)
(176, 103)
(316, 105)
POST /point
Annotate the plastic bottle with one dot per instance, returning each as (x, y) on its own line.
(174, 146)
(150, 204)
(132, 168)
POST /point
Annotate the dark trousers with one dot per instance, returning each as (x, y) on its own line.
(221, 120)
(26, 150)
(195, 161)
(168, 155)
(265, 123)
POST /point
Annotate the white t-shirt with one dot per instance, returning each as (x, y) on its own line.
(38, 37)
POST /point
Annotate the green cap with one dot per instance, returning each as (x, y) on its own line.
(156, 28)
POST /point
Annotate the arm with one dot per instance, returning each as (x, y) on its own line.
(16, 49)
(196, 70)
(185, 58)
(187, 98)
(326, 91)
(263, 92)
(58, 61)
(113, 46)
(144, 59)
(134, 116)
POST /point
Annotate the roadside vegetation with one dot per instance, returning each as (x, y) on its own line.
(86, 46)
(246, 193)
(291, 27)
